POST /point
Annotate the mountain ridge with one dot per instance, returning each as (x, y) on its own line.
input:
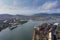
(8, 16)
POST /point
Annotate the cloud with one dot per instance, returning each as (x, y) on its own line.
(49, 5)
(17, 7)
(13, 9)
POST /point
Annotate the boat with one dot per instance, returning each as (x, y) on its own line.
(23, 21)
(11, 28)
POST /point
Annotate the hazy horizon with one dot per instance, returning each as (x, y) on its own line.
(29, 7)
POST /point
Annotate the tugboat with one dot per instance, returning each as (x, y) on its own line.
(49, 33)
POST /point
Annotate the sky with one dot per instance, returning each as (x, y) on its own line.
(29, 7)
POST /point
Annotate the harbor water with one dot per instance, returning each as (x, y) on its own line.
(22, 32)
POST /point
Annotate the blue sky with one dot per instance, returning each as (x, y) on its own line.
(29, 7)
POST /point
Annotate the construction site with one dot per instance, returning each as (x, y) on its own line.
(47, 32)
